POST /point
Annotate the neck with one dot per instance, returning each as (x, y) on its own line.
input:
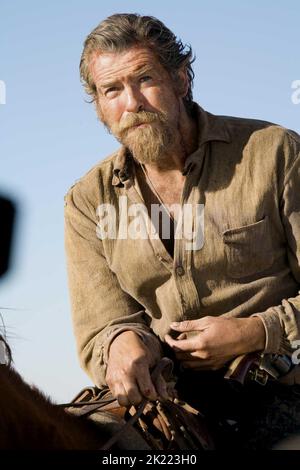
(185, 142)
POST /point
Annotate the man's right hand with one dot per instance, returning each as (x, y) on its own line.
(128, 371)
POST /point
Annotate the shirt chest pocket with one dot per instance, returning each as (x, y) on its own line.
(248, 249)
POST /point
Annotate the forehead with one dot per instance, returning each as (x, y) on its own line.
(110, 66)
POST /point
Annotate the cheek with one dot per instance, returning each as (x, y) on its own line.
(112, 111)
(162, 98)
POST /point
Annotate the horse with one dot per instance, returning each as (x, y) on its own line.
(95, 421)
(30, 421)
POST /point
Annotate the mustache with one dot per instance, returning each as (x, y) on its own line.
(143, 117)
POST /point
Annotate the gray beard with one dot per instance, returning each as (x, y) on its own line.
(149, 145)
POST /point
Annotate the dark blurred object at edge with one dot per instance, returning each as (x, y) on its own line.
(7, 216)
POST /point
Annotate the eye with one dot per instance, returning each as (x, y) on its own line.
(145, 78)
(112, 91)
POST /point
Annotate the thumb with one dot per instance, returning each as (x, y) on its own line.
(182, 336)
(188, 325)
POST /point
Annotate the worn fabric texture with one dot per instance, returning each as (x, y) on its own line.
(247, 174)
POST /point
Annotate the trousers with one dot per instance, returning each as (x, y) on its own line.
(250, 416)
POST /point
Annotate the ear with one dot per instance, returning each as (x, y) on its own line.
(182, 82)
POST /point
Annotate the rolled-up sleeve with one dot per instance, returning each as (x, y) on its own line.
(100, 308)
(282, 322)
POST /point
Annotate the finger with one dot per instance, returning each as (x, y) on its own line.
(146, 386)
(190, 325)
(121, 395)
(134, 396)
(182, 336)
(189, 344)
(172, 392)
(161, 387)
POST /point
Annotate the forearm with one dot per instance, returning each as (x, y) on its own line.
(149, 339)
(254, 335)
(94, 345)
(282, 326)
(100, 308)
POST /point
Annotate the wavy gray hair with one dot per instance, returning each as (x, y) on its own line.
(124, 30)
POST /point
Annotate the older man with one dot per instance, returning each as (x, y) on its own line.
(134, 297)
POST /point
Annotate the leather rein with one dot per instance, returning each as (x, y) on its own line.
(165, 366)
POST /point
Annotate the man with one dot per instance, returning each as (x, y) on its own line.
(135, 298)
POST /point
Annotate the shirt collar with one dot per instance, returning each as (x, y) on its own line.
(123, 164)
(211, 127)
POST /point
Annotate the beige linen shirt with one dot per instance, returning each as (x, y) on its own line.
(247, 174)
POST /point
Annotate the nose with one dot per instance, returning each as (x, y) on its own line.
(134, 100)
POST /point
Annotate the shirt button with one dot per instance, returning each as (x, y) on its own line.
(179, 270)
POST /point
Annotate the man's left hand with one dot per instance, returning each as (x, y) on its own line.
(215, 340)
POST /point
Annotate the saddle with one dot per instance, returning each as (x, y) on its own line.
(171, 424)
(163, 425)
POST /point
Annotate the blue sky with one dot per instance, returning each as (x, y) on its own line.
(247, 56)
